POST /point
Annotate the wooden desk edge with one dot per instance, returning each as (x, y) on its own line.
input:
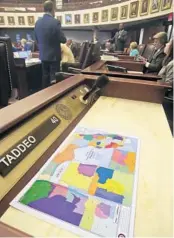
(94, 69)
(132, 81)
(11, 115)
(8, 231)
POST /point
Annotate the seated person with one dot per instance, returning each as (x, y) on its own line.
(154, 64)
(168, 63)
(109, 47)
(69, 43)
(72, 45)
(14, 48)
(66, 54)
(134, 49)
(23, 44)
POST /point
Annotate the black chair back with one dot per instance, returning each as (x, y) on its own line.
(5, 88)
(96, 53)
(83, 51)
(89, 57)
(148, 51)
(12, 76)
(141, 49)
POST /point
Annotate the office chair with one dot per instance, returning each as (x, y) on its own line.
(168, 107)
(83, 51)
(148, 51)
(141, 48)
(5, 88)
(92, 56)
(15, 79)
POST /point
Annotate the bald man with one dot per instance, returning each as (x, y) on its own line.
(120, 38)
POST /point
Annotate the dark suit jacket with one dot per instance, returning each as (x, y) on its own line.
(49, 35)
(156, 61)
(120, 40)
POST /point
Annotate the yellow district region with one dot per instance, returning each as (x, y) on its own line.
(88, 215)
(112, 186)
(93, 185)
(72, 177)
(78, 136)
(130, 161)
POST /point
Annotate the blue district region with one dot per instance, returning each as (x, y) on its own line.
(104, 174)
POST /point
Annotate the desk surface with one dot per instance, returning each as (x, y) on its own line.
(154, 196)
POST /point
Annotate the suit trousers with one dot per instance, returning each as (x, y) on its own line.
(49, 70)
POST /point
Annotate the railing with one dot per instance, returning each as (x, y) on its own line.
(38, 4)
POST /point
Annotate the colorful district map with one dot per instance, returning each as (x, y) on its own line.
(88, 184)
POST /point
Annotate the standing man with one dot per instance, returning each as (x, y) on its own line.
(120, 38)
(49, 36)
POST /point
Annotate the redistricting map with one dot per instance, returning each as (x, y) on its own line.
(89, 183)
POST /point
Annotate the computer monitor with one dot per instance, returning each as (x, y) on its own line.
(116, 68)
(24, 54)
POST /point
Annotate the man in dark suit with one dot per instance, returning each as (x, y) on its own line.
(154, 64)
(49, 36)
(120, 38)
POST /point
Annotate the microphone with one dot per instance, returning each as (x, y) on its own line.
(98, 85)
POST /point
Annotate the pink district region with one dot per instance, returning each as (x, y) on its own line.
(87, 170)
(102, 210)
(119, 156)
(59, 190)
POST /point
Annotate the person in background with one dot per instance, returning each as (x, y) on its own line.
(120, 38)
(155, 62)
(23, 44)
(69, 43)
(109, 47)
(66, 54)
(134, 49)
(168, 63)
(15, 49)
(49, 36)
(73, 46)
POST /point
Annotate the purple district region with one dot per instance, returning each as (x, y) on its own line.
(80, 206)
(87, 170)
(58, 207)
(109, 196)
(105, 208)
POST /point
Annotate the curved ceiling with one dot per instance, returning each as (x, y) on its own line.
(127, 12)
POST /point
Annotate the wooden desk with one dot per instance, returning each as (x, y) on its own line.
(129, 65)
(116, 54)
(31, 70)
(154, 196)
(126, 57)
(113, 113)
(99, 68)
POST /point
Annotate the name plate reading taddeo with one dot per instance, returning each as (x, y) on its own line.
(28, 143)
